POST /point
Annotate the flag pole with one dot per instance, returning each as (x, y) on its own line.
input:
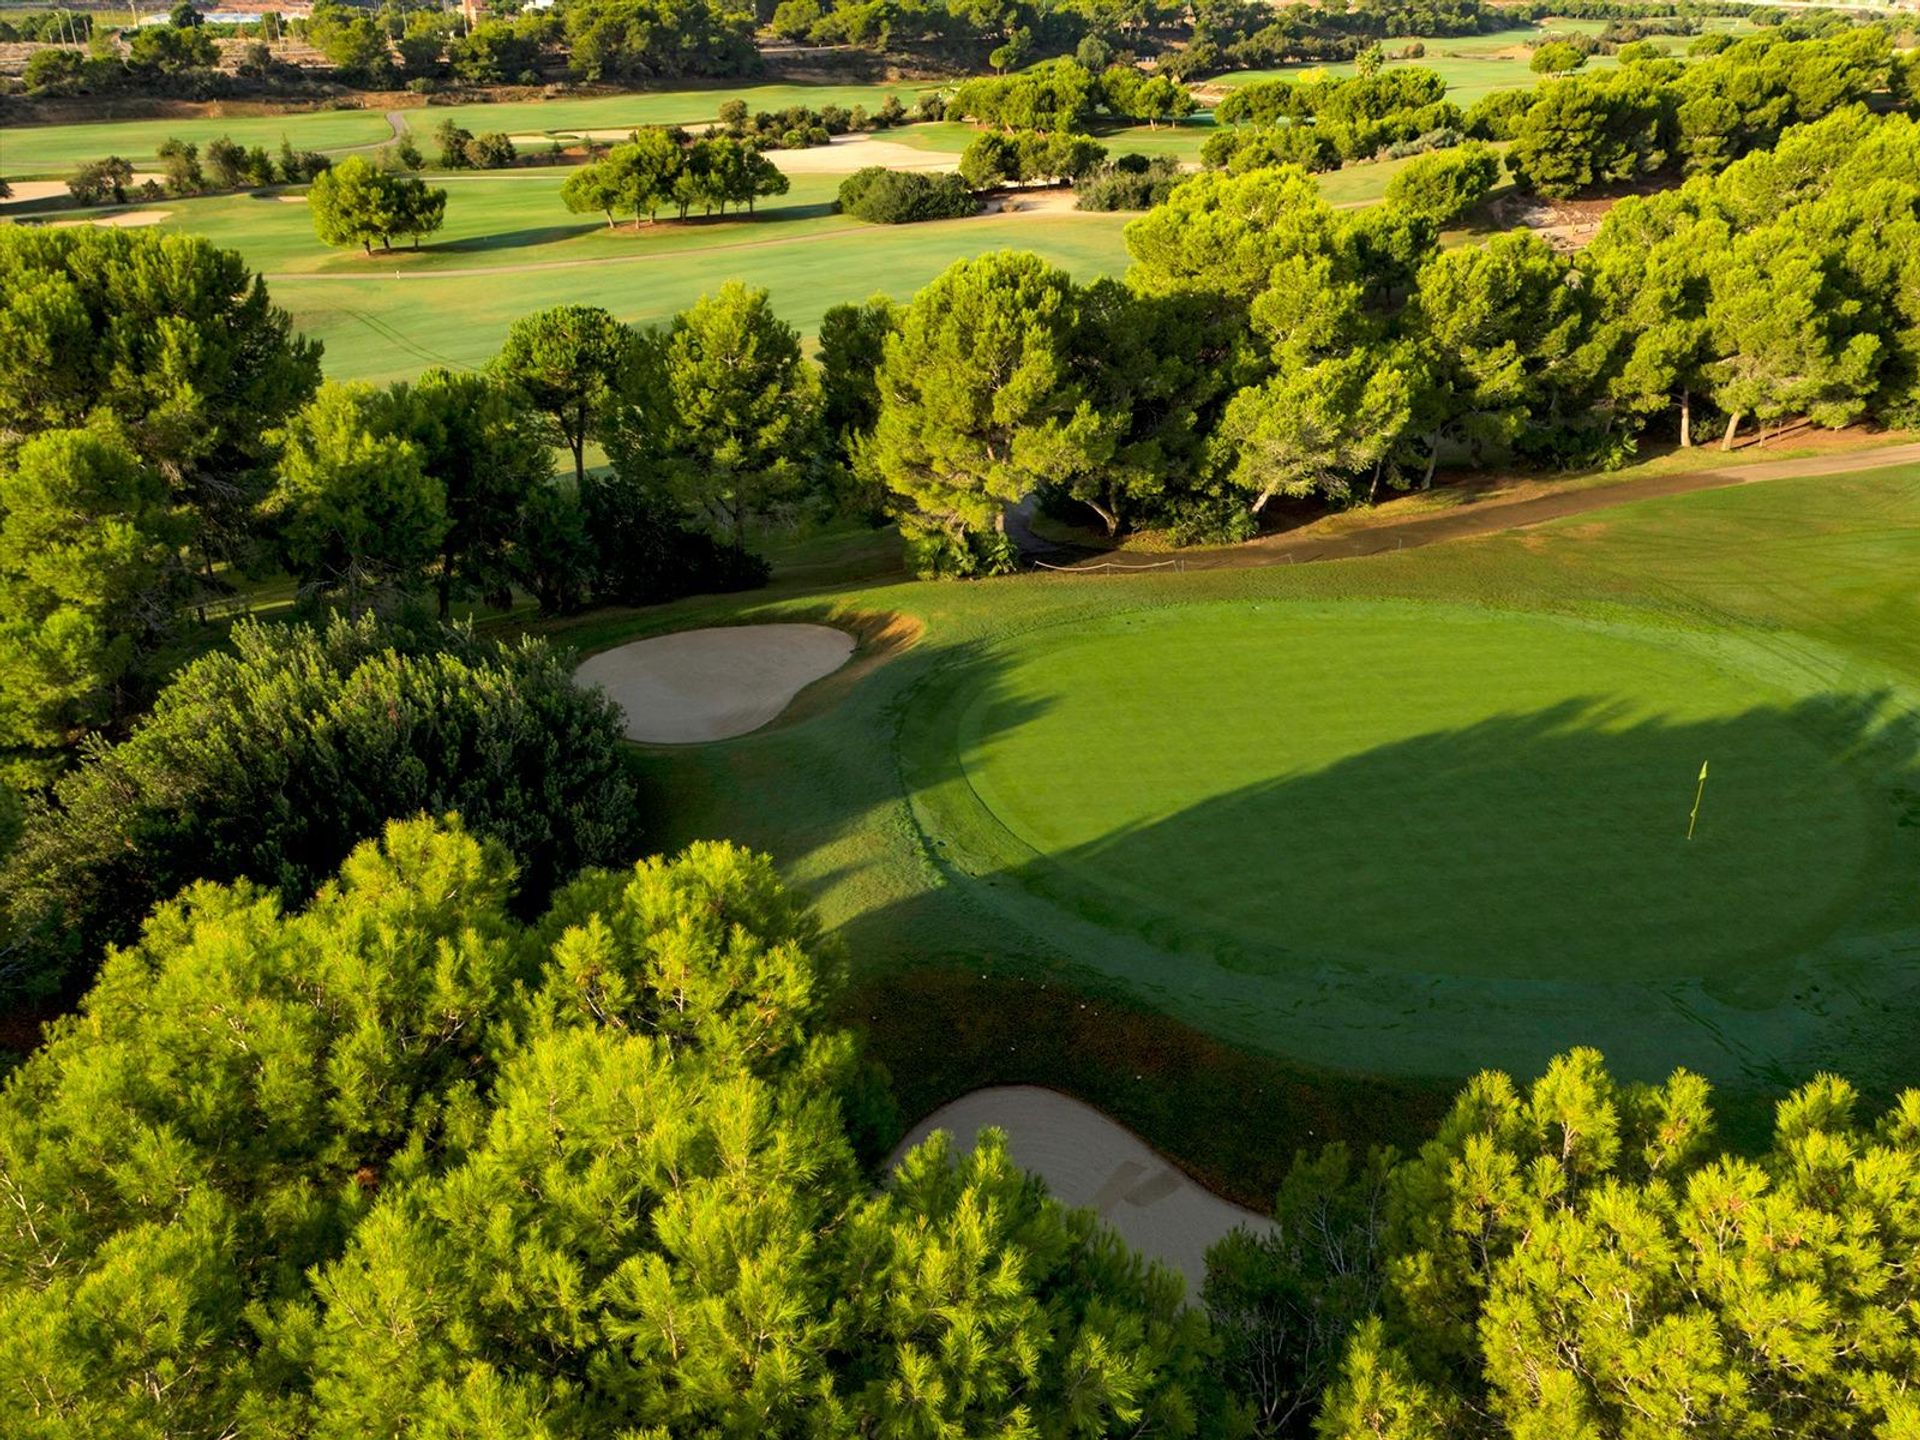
(1699, 790)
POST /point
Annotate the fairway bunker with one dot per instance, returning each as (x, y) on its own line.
(700, 685)
(1091, 1161)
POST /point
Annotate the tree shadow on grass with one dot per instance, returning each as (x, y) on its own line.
(1327, 954)
(1550, 845)
(516, 239)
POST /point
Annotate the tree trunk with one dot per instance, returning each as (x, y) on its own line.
(1109, 518)
(1433, 459)
(1373, 490)
(1686, 418)
(1733, 424)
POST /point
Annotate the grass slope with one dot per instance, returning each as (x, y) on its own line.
(1321, 839)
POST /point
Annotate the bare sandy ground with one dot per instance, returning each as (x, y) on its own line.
(120, 220)
(27, 192)
(701, 685)
(1089, 1160)
(1034, 202)
(848, 153)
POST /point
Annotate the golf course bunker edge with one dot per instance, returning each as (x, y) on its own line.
(1091, 1160)
(694, 686)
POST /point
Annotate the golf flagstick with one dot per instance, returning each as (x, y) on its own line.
(1699, 790)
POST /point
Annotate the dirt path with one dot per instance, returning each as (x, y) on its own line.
(1473, 518)
(396, 128)
(1090, 1160)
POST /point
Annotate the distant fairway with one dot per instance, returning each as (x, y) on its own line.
(1438, 790)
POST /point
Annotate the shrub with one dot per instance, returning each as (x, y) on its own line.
(1131, 182)
(275, 761)
(900, 197)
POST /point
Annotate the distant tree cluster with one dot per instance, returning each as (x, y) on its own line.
(188, 169)
(661, 168)
(1028, 157)
(458, 148)
(1581, 132)
(800, 126)
(396, 1161)
(900, 197)
(1065, 95)
(1128, 182)
(1351, 119)
(653, 40)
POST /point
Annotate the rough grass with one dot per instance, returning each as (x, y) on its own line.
(1754, 620)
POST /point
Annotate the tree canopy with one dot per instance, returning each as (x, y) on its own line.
(274, 761)
(396, 1161)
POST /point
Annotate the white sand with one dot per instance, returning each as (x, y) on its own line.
(1088, 1160)
(121, 220)
(712, 684)
(848, 153)
(25, 192)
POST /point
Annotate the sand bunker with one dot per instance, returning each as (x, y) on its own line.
(848, 153)
(123, 220)
(712, 684)
(26, 192)
(1088, 1160)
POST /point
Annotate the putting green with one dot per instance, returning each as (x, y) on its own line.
(1457, 792)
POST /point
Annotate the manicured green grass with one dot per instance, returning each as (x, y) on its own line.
(1346, 795)
(1404, 817)
(668, 107)
(512, 217)
(54, 151)
(392, 326)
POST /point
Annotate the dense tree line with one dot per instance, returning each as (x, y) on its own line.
(1577, 1259)
(128, 359)
(395, 1161)
(1655, 116)
(661, 167)
(273, 761)
(1065, 95)
(901, 197)
(163, 430)
(1264, 345)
